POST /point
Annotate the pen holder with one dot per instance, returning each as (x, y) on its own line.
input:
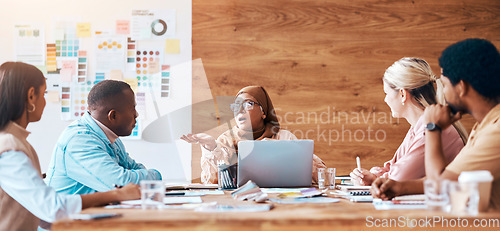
(227, 176)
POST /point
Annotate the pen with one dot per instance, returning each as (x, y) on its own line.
(117, 186)
(175, 193)
(358, 162)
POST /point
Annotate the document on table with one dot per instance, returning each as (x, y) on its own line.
(300, 200)
(169, 200)
(379, 204)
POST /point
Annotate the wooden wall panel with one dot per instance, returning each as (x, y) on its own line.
(318, 55)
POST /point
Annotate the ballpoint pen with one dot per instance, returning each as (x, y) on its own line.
(358, 162)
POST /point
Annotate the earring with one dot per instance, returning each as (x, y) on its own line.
(403, 103)
(30, 111)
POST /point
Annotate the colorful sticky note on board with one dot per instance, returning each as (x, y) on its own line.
(122, 27)
(69, 64)
(66, 75)
(154, 66)
(116, 75)
(83, 30)
(52, 96)
(133, 83)
(43, 69)
(172, 46)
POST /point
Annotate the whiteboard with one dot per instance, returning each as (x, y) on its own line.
(172, 157)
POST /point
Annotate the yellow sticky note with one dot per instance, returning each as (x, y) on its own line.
(133, 83)
(83, 30)
(172, 46)
(52, 96)
(116, 75)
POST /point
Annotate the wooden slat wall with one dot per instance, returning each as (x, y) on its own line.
(312, 55)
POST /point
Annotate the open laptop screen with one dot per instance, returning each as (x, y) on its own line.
(276, 163)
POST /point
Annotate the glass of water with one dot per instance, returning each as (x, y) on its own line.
(152, 194)
(321, 178)
(330, 176)
(436, 195)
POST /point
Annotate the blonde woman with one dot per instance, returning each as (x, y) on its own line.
(409, 89)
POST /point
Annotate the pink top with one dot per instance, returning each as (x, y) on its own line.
(408, 161)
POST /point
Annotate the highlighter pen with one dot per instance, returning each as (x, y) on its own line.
(358, 162)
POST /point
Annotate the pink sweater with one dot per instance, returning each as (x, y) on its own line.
(408, 161)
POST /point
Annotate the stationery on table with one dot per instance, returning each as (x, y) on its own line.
(379, 204)
(310, 192)
(235, 208)
(358, 162)
(190, 186)
(299, 200)
(249, 191)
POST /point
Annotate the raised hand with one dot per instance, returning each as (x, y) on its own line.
(206, 140)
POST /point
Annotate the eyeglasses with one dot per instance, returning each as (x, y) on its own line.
(247, 105)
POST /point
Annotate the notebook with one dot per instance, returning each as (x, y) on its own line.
(275, 163)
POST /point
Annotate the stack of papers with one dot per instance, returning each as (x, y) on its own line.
(310, 192)
(190, 186)
(250, 191)
(299, 200)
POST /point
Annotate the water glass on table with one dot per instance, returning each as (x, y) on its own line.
(436, 195)
(321, 178)
(152, 194)
(330, 176)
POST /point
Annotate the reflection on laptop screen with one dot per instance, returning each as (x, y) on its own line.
(276, 163)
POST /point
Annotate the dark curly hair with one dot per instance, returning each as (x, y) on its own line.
(475, 61)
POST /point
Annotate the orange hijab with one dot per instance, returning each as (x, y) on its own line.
(229, 139)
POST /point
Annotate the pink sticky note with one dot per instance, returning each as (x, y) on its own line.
(122, 27)
(66, 75)
(69, 64)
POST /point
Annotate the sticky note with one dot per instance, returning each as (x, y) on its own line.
(133, 83)
(66, 75)
(116, 75)
(172, 46)
(83, 30)
(52, 96)
(59, 34)
(154, 66)
(69, 64)
(122, 27)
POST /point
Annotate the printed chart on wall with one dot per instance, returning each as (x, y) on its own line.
(29, 44)
(153, 24)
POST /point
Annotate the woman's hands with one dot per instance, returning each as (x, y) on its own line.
(362, 177)
(207, 141)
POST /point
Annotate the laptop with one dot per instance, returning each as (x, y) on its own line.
(276, 163)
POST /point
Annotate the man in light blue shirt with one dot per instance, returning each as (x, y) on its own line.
(89, 156)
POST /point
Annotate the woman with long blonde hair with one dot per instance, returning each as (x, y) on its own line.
(409, 89)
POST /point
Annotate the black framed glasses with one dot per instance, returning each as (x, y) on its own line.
(246, 105)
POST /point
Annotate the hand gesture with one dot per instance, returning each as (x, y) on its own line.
(203, 139)
(440, 115)
(385, 188)
(362, 177)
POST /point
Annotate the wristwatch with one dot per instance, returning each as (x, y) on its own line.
(432, 127)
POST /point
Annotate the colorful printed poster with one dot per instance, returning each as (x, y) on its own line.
(29, 44)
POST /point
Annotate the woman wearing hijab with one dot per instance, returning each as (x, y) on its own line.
(25, 200)
(255, 120)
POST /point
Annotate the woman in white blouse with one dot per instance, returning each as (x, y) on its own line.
(25, 200)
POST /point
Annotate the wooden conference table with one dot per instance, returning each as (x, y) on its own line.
(343, 215)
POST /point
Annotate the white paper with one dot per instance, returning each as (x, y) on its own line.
(169, 200)
(29, 45)
(110, 53)
(153, 24)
